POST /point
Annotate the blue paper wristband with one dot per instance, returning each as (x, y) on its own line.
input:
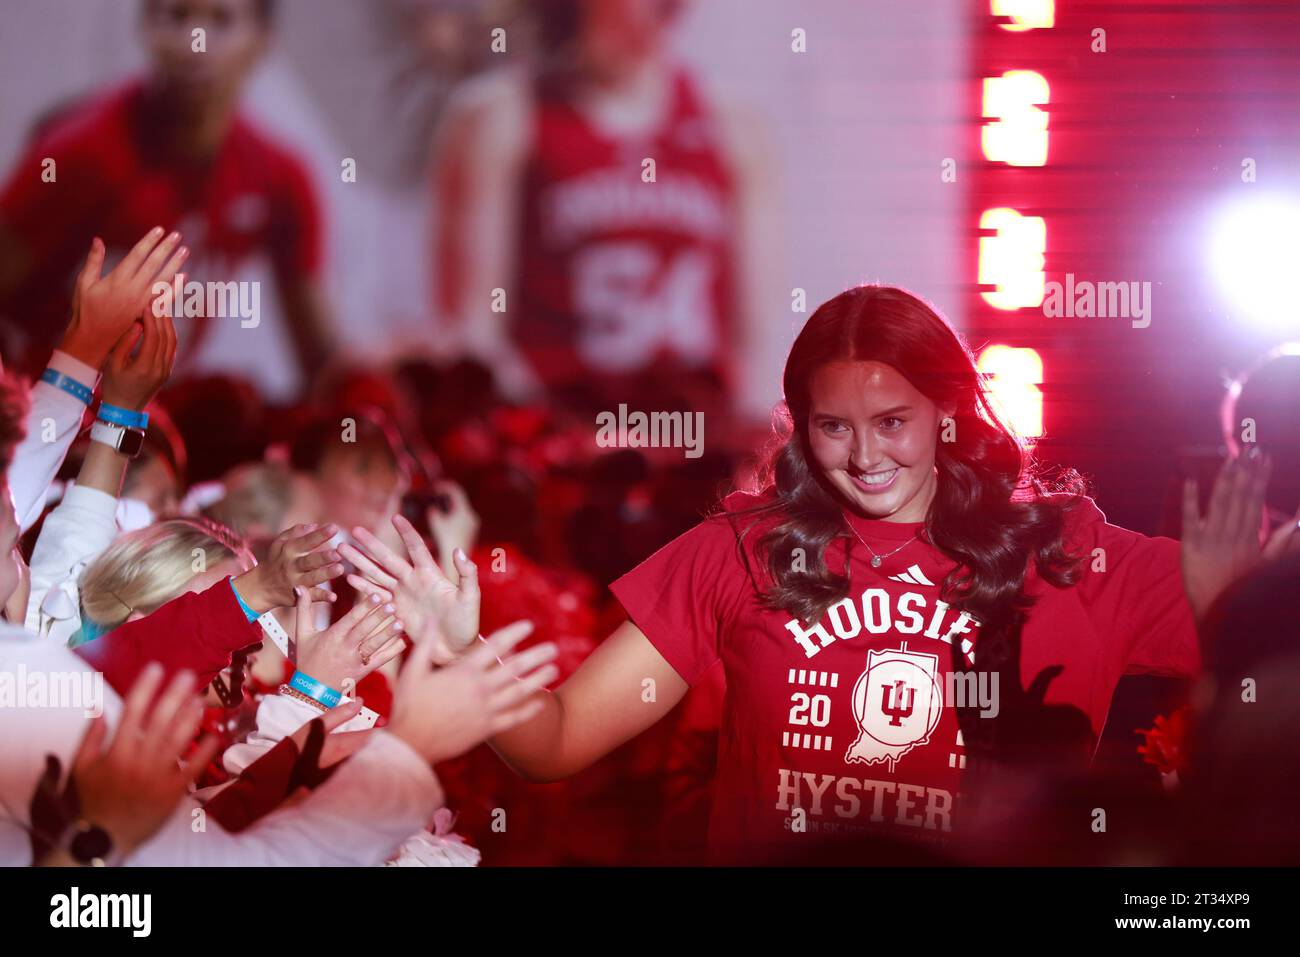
(315, 690)
(248, 612)
(80, 392)
(127, 418)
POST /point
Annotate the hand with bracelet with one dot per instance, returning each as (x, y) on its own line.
(436, 611)
(130, 383)
(126, 791)
(367, 637)
(296, 558)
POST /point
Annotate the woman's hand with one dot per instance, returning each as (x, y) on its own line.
(445, 712)
(104, 307)
(131, 382)
(366, 638)
(436, 612)
(294, 560)
(456, 528)
(1226, 543)
(131, 788)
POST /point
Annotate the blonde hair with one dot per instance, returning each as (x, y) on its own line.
(257, 494)
(145, 569)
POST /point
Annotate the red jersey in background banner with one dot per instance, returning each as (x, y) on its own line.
(112, 178)
(617, 275)
(844, 727)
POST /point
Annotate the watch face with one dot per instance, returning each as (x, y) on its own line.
(131, 443)
(90, 844)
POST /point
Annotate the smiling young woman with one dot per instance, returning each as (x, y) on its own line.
(902, 538)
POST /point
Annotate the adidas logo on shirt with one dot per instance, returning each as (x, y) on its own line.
(913, 576)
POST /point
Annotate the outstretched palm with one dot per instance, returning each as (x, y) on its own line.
(435, 609)
(1225, 544)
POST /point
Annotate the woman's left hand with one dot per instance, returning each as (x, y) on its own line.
(432, 606)
(1226, 543)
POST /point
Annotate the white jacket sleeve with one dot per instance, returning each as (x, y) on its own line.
(74, 534)
(52, 424)
(358, 818)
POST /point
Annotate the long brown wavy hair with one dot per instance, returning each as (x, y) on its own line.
(991, 511)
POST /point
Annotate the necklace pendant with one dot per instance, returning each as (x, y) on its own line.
(875, 561)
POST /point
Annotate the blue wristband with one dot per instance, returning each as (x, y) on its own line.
(127, 418)
(248, 612)
(315, 690)
(82, 393)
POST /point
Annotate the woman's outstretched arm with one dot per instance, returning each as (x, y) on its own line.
(623, 688)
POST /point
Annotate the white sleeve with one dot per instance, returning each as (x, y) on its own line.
(74, 534)
(358, 818)
(278, 716)
(55, 415)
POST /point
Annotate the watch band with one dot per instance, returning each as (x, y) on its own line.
(126, 441)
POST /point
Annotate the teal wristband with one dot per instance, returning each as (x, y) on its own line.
(127, 418)
(79, 391)
(316, 690)
(248, 612)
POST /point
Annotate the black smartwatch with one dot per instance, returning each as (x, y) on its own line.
(128, 442)
(89, 845)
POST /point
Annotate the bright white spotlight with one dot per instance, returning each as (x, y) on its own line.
(1255, 257)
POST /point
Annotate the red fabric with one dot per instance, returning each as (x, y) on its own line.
(113, 180)
(198, 631)
(618, 276)
(258, 791)
(814, 718)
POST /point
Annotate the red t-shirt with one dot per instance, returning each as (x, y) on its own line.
(112, 179)
(847, 719)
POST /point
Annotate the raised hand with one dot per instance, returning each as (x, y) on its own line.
(445, 712)
(132, 787)
(367, 637)
(437, 613)
(130, 382)
(456, 528)
(1226, 543)
(295, 559)
(104, 307)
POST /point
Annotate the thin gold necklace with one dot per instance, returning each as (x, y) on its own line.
(877, 559)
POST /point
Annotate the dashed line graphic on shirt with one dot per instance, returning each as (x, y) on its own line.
(820, 679)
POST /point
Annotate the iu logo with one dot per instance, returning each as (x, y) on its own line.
(898, 702)
(906, 697)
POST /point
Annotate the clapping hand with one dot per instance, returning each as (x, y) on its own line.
(437, 613)
(131, 381)
(104, 307)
